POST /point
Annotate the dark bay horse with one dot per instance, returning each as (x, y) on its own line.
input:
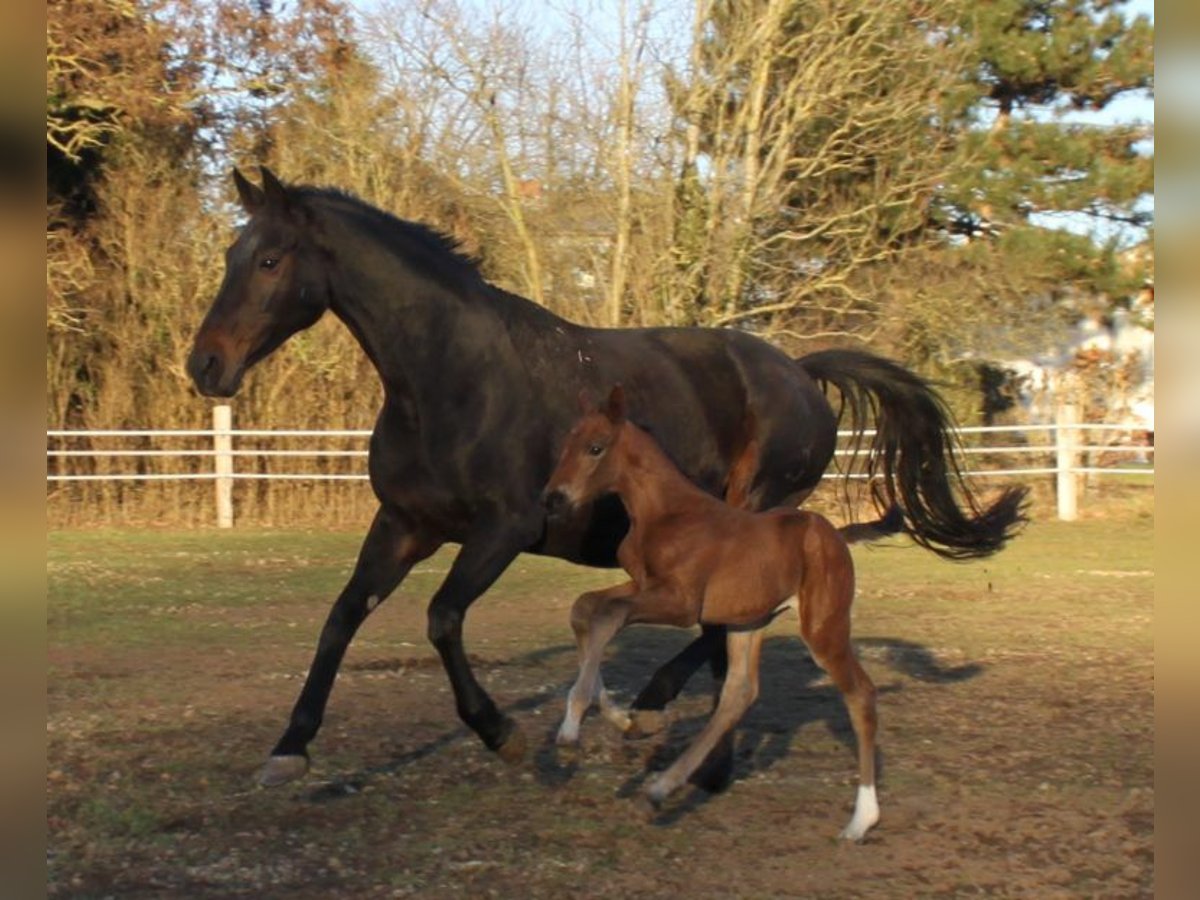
(480, 387)
(694, 559)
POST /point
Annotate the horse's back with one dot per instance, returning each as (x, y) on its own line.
(694, 388)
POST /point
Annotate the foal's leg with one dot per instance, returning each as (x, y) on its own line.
(389, 551)
(716, 771)
(596, 617)
(859, 694)
(824, 610)
(737, 694)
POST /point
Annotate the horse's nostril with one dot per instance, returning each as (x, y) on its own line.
(203, 366)
(554, 501)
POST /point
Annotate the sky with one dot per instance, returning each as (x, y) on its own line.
(1130, 108)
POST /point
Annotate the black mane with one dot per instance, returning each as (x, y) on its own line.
(440, 254)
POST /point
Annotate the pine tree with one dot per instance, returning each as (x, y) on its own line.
(895, 173)
(1026, 163)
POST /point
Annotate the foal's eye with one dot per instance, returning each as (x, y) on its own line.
(595, 449)
(269, 262)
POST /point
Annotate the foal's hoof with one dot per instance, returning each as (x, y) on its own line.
(512, 751)
(618, 718)
(866, 815)
(854, 832)
(282, 769)
(657, 792)
(645, 722)
(567, 754)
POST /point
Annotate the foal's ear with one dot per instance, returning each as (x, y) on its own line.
(587, 403)
(251, 196)
(615, 408)
(273, 188)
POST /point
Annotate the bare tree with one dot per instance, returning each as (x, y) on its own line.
(808, 134)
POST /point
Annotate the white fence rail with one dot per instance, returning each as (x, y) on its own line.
(1066, 449)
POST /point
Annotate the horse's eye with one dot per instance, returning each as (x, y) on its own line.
(595, 449)
(269, 262)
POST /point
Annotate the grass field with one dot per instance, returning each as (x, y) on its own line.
(1016, 725)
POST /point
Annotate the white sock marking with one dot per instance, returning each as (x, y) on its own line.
(866, 814)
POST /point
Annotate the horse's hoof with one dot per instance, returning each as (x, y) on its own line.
(512, 751)
(714, 777)
(645, 722)
(282, 769)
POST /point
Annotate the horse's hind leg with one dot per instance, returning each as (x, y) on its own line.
(389, 551)
(737, 694)
(859, 693)
(829, 643)
(596, 617)
(666, 683)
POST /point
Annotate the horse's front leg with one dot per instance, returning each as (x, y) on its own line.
(483, 557)
(389, 551)
(596, 617)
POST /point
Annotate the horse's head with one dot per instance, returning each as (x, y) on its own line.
(587, 466)
(275, 285)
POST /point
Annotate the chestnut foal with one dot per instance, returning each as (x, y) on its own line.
(695, 559)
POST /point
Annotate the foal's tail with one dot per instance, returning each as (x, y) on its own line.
(911, 458)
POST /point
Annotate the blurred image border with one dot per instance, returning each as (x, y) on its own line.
(1177, 352)
(22, 450)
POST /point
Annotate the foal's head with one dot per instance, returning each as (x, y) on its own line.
(275, 285)
(587, 466)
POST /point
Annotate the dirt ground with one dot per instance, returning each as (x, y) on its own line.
(1016, 723)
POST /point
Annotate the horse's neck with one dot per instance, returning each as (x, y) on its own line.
(419, 332)
(649, 484)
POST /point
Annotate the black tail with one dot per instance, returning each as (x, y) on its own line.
(865, 532)
(911, 459)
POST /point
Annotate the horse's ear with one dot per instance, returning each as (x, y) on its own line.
(252, 197)
(587, 403)
(615, 408)
(273, 189)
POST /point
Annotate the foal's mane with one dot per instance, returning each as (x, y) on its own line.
(439, 254)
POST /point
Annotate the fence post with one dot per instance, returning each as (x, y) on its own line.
(223, 466)
(1066, 441)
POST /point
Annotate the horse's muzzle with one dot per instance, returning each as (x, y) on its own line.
(211, 376)
(555, 502)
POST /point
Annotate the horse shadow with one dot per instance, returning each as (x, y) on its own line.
(794, 694)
